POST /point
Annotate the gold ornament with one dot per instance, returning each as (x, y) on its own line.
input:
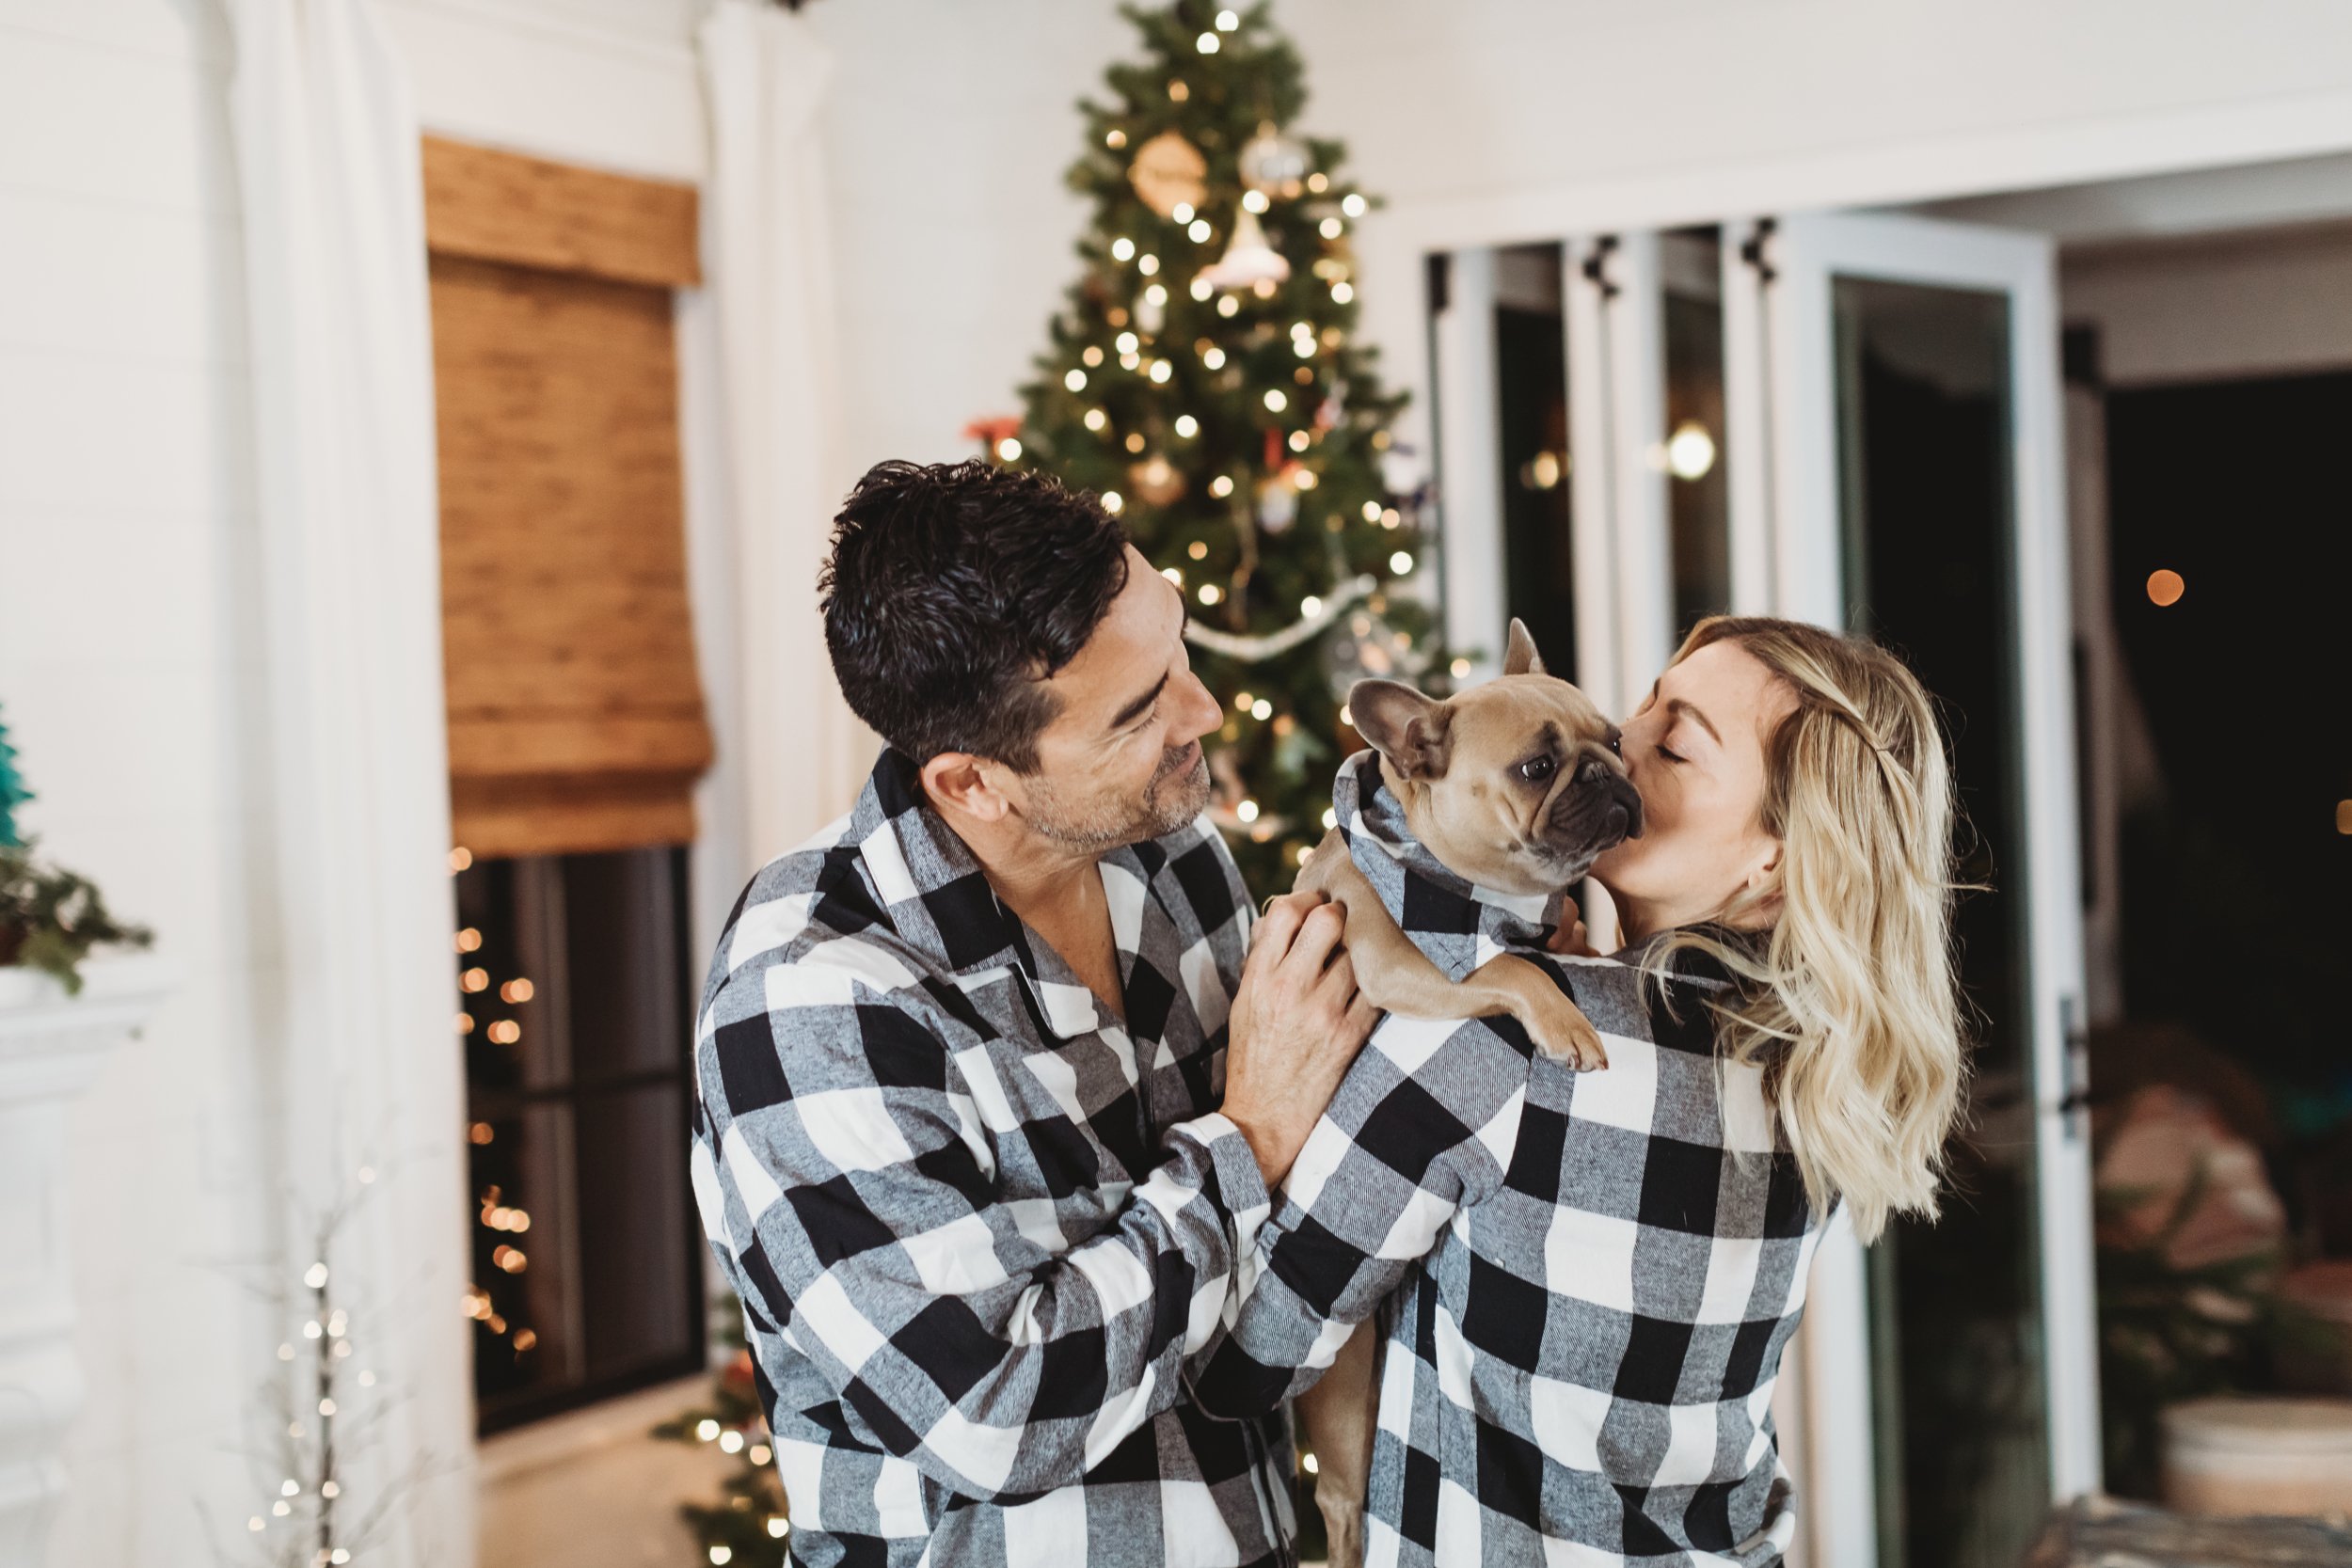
(1156, 481)
(1169, 172)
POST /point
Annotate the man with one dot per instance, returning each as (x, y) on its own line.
(959, 1145)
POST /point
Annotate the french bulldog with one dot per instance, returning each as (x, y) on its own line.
(1514, 785)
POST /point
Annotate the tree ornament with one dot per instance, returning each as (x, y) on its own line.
(1273, 164)
(1278, 500)
(1249, 261)
(1156, 481)
(1169, 172)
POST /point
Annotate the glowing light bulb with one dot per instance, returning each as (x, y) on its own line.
(1161, 370)
(1096, 419)
(1276, 400)
(1353, 204)
(1075, 381)
(1400, 563)
(1343, 292)
(1008, 449)
(2164, 588)
(469, 940)
(1123, 249)
(1128, 343)
(1331, 229)
(1305, 479)
(731, 1442)
(777, 1527)
(1186, 426)
(1114, 139)
(1311, 606)
(1262, 710)
(1254, 201)
(315, 1276)
(1172, 575)
(1182, 212)
(1303, 347)
(1093, 356)
(1113, 503)
(1156, 295)
(1228, 21)
(1207, 43)
(516, 989)
(1221, 486)
(1148, 265)
(1200, 287)
(1246, 811)
(1229, 306)
(1210, 592)
(1689, 451)
(1213, 355)
(1198, 231)
(460, 858)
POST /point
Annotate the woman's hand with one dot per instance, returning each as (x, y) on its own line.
(1570, 938)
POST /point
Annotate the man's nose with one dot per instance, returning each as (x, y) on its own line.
(1204, 714)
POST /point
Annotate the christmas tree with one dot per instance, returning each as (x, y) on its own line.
(12, 792)
(747, 1524)
(1204, 381)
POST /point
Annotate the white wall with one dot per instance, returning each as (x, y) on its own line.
(129, 671)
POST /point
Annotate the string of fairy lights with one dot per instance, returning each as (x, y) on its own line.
(493, 1213)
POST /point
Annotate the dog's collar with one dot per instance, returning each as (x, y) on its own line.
(1458, 922)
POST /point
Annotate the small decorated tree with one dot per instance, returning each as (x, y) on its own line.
(746, 1524)
(12, 792)
(1204, 379)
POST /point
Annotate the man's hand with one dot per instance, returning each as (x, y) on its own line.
(1297, 1022)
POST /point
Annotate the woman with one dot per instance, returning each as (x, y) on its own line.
(1584, 1282)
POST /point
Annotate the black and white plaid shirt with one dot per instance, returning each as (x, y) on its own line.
(976, 1223)
(1588, 1278)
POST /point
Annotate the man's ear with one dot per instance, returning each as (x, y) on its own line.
(1415, 732)
(1520, 657)
(960, 782)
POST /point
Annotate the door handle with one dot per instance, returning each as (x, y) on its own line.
(2074, 1104)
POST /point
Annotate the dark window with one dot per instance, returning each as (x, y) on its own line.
(574, 975)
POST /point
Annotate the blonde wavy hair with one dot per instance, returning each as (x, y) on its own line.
(1850, 1000)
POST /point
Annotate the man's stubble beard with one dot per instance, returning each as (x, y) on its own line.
(1097, 826)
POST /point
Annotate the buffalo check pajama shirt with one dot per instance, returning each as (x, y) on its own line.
(976, 1224)
(1582, 1282)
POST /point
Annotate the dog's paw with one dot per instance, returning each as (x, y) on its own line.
(1561, 1031)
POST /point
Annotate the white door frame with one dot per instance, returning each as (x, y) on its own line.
(1802, 547)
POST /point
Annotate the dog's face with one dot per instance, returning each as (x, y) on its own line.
(1516, 785)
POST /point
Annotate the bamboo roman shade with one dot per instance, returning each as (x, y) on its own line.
(576, 713)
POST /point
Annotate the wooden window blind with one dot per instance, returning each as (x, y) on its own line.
(576, 719)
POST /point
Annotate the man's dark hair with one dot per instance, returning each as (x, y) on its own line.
(953, 591)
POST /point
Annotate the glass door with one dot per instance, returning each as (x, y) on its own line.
(1894, 447)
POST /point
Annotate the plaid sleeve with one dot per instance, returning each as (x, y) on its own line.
(844, 1168)
(1423, 1124)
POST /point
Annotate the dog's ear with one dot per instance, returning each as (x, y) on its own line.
(1412, 730)
(1521, 657)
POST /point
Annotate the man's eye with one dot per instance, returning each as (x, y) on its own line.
(1537, 770)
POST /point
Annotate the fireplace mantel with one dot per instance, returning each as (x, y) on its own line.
(52, 1045)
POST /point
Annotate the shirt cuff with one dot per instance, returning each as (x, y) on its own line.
(1241, 1189)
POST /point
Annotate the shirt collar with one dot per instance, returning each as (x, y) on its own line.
(1425, 897)
(940, 900)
